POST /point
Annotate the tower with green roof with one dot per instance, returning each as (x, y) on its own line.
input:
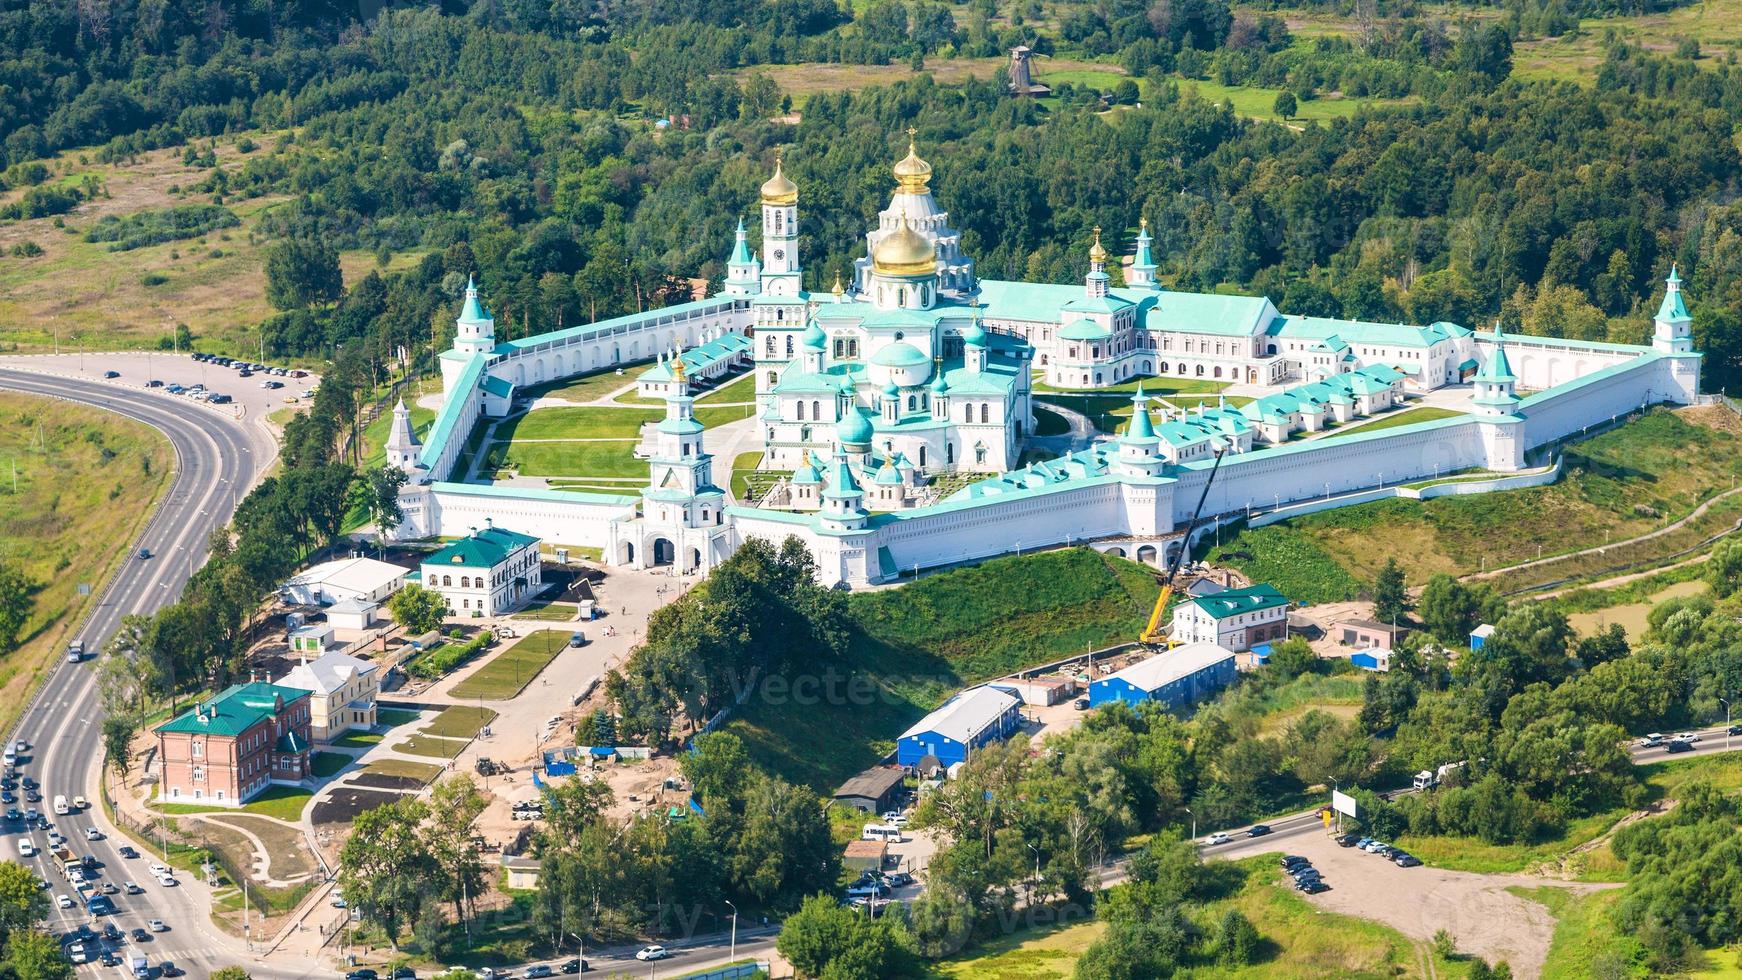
(475, 330)
(1142, 274)
(843, 499)
(743, 271)
(681, 490)
(1138, 444)
(1672, 327)
(1495, 384)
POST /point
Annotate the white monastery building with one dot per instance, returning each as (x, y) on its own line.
(918, 375)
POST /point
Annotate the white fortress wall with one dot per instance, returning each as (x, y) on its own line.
(1545, 362)
(557, 516)
(1595, 398)
(618, 341)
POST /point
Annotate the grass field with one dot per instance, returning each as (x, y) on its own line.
(425, 771)
(508, 672)
(1585, 938)
(1617, 485)
(324, 764)
(76, 484)
(1300, 941)
(1409, 416)
(393, 717)
(214, 283)
(282, 802)
(549, 612)
(358, 740)
(1257, 102)
(1632, 615)
(459, 721)
(435, 748)
(914, 646)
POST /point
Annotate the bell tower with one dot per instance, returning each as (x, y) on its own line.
(780, 268)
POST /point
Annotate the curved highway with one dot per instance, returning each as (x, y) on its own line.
(218, 458)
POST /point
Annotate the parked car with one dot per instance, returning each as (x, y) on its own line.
(1292, 861)
(646, 953)
(1313, 887)
(363, 974)
(1081, 704)
(1347, 840)
(1404, 860)
(154, 383)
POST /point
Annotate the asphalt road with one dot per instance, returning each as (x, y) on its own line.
(1711, 742)
(217, 459)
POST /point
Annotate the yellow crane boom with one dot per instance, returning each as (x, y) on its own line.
(1152, 633)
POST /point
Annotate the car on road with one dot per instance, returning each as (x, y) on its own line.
(26, 848)
(647, 953)
(63, 901)
(1404, 860)
(1313, 887)
(32, 796)
(127, 851)
(111, 932)
(157, 925)
(144, 554)
(1258, 830)
(92, 833)
(363, 974)
(168, 969)
(1216, 838)
(13, 815)
(111, 374)
(403, 973)
(110, 888)
(1679, 747)
(1688, 737)
(1733, 730)
(6, 796)
(539, 971)
(140, 935)
(132, 889)
(575, 966)
(109, 959)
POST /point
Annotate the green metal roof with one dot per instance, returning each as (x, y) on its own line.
(498, 386)
(900, 354)
(1084, 329)
(234, 710)
(1673, 307)
(484, 548)
(1233, 602)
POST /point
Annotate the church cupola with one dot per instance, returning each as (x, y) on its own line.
(974, 341)
(1672, 328)
(475, 330)
(743, 272)
(904, 270)
(1096, 282)
(1143, 262)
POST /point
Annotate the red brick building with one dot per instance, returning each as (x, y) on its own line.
(227, 749)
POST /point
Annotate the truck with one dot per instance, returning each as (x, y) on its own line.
(1428, 779)
(136, 966)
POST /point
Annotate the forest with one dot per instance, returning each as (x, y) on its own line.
(515, 141)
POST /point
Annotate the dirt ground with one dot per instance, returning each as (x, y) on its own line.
(1484, 918)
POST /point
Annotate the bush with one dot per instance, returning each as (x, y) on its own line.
(438, 662)
(161, 225)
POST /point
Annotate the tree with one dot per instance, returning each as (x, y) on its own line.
(385, 867)
(1724, 570)
(231, 973)
(22, 904)
(717, 767)
(418, 609)
(118, 733)
(454, 808)
(1284, 105)
(35, 955)
(379, 494)
(1447, 609)
(17, 593)
(301, 273)
(1237, 940)
(814, 935)
(1390, 599)
(1607, 644)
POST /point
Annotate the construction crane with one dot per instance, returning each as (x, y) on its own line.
(1153, 634)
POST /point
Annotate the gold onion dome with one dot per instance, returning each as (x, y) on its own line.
(778, 189)
(911, 173)
(904, 252)
(1096, 252)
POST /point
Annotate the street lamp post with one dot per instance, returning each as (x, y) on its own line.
(1194, 817)
(1726, 723)
(732, 957)
(1034, 889)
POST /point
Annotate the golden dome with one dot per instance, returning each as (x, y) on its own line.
(904, 252)
(778, 189)
(911, 173)
(1096, 252)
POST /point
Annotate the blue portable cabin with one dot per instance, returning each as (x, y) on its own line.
(1480, 635)
(1178, 677)
(1365, 661)
(960, 725)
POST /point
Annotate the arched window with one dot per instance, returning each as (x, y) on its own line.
(1218, 371)
(817, 411)
(772, 378)
(985, 409)
(770, 346)
(789, 346)
(447, 580)
(912, 403)
(801, 411)
(1200, 370)
(922, 457)
(949, 453)
(967, 413)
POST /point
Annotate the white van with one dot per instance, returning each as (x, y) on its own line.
(26, 848)
(60, 806)
(882, 832)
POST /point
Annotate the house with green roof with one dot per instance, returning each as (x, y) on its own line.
(227, 749)
(1234, 619)
(489, 572)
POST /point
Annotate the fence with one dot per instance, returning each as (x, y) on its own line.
(736, 971)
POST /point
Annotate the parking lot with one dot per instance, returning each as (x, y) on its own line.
(1485, 919)
(134, 369)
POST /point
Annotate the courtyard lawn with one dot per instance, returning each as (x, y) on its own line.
(394, 717)
(404, 768)
(590, 422)
(359, 740)
(459, 721)
(589, 387)
(437, 748)
(325, 764)
(282, 802)
(507, 673)
(569, 459)
(714, 417)
(1409, 416)
(549, 612)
